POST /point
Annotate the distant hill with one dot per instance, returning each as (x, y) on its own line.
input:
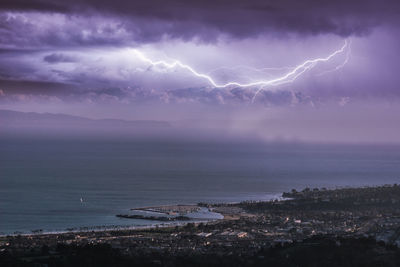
(14, 120)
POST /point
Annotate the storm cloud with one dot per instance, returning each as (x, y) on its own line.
(82, 52)
(57, 58)
(152, 20)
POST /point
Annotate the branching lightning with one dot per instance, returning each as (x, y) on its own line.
(289, 77)
(338, 67)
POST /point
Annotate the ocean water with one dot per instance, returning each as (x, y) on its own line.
(42, 181)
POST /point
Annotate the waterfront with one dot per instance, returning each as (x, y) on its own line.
(249, 234)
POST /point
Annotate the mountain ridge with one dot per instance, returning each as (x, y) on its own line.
(11, 118)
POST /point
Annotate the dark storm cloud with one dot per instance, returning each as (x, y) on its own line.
(41, 5)
(10, 87)
(38, 30)
(59, 58)
(37, 37)
(150, 20)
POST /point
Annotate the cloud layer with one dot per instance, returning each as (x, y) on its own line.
(152, 20)
(76, 50)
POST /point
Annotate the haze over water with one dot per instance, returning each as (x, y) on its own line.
(42, 181)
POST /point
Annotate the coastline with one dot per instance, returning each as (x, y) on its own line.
(155, 224)
(127, 227)
(230, 211)
(311, 218)
(110, 228)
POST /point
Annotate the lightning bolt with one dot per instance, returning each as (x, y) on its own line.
(261, 84)
(346, 60)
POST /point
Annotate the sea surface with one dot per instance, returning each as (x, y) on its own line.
(56, 185)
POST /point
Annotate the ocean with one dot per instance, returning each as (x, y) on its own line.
(58, 184)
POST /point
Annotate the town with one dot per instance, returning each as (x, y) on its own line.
(368, 216)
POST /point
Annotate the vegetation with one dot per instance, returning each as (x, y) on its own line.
(317, 251)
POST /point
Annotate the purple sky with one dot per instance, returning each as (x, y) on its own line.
(78, 57)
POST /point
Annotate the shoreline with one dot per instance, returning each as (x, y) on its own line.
(161, 224)
(80, 230)
(95, 229)
(313, 217)
(229, 212)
